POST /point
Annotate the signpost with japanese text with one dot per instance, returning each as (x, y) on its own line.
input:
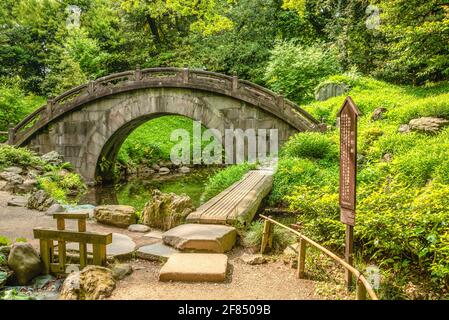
(348, 115)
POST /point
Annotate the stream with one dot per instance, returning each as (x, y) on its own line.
(137, 191)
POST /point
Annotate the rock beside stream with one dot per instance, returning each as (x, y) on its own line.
(40, 200)
(166, 210)
(116, 215)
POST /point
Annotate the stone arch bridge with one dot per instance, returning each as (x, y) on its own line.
(90, 122)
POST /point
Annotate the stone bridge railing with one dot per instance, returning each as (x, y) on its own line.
(162, 77)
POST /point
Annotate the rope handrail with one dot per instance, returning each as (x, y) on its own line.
(359, 276)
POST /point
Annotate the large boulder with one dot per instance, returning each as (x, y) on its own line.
(378, 114)
(92, 283)
(40, 200)
(28, 185)
(116, 215)
(166, 210)
(53, 158)
(13, 181)
(329, 90)
(25, 262)
(427, 124)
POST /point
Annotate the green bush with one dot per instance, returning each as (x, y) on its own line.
(224, 179)
(293, 172)
(4, 241)
(297, 70)
(253, 237)
(22, 157)
(311, 145)
(59, 186)
(15, 104)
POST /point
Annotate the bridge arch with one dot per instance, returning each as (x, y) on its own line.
(91, 121)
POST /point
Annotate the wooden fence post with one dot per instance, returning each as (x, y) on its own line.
(361, 291)
(265, 236)
(301, 257)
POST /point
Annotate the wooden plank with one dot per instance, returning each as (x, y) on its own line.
(73, 236)
(71, 215)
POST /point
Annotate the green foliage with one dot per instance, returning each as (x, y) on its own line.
(297, 69)
(253, 237)
(15, 104)
(22, 157)
(151, 142)
(311, 145)
(59, 186)
(402, 209)
(224, 179)
(4, 241)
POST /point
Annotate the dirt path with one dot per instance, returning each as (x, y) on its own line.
(268, 281)
(273, 280)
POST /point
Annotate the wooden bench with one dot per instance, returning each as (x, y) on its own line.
(47, 237)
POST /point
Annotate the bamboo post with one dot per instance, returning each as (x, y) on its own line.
(301, 258)
(361, 291)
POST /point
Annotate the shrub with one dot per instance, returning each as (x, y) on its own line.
(253, 236)
(311, 145)
(318, 213)
(224, 179)
(297, 171)
(296, 70)
(22, 157)
(4, 241)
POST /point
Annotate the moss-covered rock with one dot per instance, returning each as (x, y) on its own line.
(166, 210)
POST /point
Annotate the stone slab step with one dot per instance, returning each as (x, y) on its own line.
(156, 252)
(121, 246)
(195, 267)
(201, 237)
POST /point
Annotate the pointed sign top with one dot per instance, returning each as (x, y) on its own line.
(349, 103)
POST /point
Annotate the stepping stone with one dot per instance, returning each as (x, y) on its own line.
(18, 201)
(138, 228)
(121, 246)
(156, 251)
(157, 234)
(201, 237)
(195, 267)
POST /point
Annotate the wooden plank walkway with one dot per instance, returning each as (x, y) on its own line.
(238, 203)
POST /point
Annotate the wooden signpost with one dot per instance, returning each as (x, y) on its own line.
(348, 115)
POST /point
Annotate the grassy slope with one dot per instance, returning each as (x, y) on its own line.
(403, 204)
(151, 141)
